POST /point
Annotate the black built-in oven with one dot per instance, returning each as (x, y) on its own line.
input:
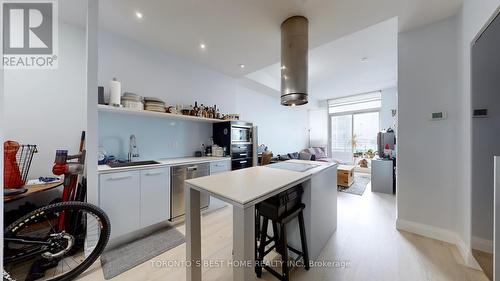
(236, 137)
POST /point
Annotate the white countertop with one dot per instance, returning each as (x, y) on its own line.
(244, 186)
(163, 162)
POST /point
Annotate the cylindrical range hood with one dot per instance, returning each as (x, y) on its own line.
(294, 61)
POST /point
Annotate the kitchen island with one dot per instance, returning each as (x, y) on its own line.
(247, 187)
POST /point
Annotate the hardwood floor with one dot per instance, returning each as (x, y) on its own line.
(485, 260)
(366, 242)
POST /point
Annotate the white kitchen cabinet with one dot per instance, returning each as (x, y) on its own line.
(155, 196)
(220, 166)
(119, 193)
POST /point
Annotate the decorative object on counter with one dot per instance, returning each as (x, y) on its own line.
(132, 101)
(102, 157)
(198, 154)
(261, 148)
(17, 163)
(154, 104)
(115, 92)
(217, 151)
(208, 149)
(100, 95)
(203, 150)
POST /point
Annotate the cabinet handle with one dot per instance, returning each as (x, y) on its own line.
(119, 178)
(243, 154)
(243, 162)
(153, 173)
(192, 168)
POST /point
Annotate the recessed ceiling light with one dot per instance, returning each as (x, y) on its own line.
(364, 59)
(203, 46)
(242, 66)
(138, 15)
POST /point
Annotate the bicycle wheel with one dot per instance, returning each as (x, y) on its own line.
(39, 247)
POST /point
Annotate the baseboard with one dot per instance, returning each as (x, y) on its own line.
(483, 245)
(440, 234)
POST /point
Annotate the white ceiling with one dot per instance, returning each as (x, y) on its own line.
(336, 68)
(248, 31)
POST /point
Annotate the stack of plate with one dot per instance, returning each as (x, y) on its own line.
(154, 104)
(133, 101)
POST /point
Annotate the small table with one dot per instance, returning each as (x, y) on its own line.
(345, 175)
(32, 189)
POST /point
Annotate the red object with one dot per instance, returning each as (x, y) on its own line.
(387, 146)
(11, 173)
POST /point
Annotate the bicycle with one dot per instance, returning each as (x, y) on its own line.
(59, 241)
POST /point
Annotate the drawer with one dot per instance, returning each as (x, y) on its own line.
(219, 167)
(241, 163)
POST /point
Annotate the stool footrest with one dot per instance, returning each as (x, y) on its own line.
(275, 273)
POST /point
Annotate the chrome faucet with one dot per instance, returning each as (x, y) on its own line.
(133, 151)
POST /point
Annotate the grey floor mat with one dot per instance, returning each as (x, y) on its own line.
(127, 256)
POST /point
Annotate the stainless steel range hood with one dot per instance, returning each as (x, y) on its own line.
(294, 60)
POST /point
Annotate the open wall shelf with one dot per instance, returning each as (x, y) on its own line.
(122, 110)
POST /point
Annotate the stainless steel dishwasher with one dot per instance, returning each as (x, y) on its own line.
(179, 174)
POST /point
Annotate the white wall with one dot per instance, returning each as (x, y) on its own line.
(389, 102)
(149, 72)
(47, 107)
(428, 150)
(457, 205)
(282, 129)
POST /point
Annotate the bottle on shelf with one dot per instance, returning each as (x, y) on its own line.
(194, 112)
(200, 110)
(217, 114)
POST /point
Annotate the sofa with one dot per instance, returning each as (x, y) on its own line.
(312, 153)
(317, 154)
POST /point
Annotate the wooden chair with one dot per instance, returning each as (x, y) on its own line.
(266, 158)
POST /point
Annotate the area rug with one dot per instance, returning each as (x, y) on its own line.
(123, 258)
(359, 185)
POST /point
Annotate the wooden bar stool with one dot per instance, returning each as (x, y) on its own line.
(280, 210)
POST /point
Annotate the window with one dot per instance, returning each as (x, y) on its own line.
(358, 103)
(354, 125)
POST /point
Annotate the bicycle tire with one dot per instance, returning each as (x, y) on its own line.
(73, 206)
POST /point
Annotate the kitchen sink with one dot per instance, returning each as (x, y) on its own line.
(132, 164)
